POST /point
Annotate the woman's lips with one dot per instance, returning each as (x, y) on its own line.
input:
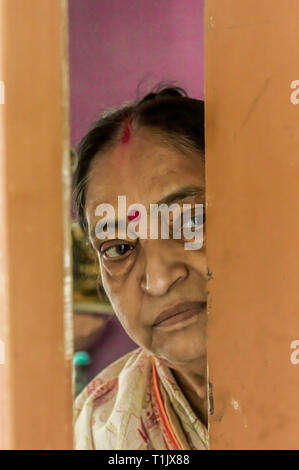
(179, 312)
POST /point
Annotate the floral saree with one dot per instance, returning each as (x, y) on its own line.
(136, 404)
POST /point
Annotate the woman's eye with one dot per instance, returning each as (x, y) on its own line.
(117, 251)
(195, 221)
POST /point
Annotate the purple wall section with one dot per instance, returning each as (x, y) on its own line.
(113, 344)
(114, 45)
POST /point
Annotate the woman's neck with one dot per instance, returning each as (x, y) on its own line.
(192, 379)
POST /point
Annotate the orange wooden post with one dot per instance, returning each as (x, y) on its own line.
(251, 59)
(35, 285)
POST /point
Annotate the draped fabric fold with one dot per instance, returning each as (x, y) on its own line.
(136, 404)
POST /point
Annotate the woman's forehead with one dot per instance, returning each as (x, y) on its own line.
(141, 170)
(149, 188)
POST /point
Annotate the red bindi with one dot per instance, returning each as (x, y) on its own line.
(134, 215)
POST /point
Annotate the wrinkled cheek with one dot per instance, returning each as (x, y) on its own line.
(197, 260)
(112, 283)
(113, 293)
(124, 296)
(118, 297)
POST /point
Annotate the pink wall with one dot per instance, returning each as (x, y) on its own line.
(113, 343)
(114, 44)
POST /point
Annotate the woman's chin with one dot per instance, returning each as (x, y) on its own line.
(182, 353)
(181, 346)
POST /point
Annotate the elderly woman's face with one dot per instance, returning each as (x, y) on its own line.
(145, 278)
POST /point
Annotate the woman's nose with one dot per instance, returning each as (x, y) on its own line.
(162, 268)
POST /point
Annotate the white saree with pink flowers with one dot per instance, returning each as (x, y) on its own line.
(136, 404)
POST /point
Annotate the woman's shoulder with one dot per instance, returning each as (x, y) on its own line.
(97, 400)
(114, 369)
(96, 386)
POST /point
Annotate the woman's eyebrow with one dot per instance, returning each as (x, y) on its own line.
(177, 195)
(182, 193)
